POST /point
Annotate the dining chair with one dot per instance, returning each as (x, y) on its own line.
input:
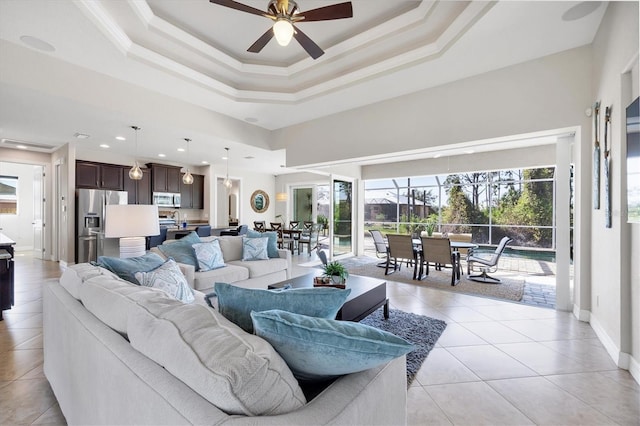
(276, 226)
(203, 231)
(487, 264)
(294, 224)
(438, 251)
(309, 237)
(259, 226)
(382, 251)
(401, 249)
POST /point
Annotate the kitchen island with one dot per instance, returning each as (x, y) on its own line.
(6, 273)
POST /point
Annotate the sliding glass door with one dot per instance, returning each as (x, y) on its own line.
(342, 229)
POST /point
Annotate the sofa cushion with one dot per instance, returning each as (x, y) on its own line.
(209, 255)
(181, 250)
(237, 372)
(272, 247)
(321, 349)
(259, 268)
(126, 268)
(229, 274)
(75, 275)
(168, 278)
(109, 299)
(254, 249)
(236, 303)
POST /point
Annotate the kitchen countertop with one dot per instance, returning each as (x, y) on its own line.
(6, 241)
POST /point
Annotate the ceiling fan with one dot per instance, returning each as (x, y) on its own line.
(285, 13)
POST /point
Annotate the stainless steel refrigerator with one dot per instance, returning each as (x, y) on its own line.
(90, 220)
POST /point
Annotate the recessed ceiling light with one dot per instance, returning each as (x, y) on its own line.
(104, 145)
(205, 162)
(21, 147)
(225, 158)
(437, 156)
(469, 151)
(121, 138)
(249, 157)
(80, 135)
(580, 10)
(180, 149)
(37, 43)
(161, 155)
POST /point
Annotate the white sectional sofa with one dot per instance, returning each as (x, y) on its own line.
(248, 274)
(118, 353)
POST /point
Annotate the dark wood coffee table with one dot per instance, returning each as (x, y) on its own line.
(367, 295)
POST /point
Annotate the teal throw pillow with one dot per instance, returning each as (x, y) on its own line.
(317, 349)
(209, 255)
(168, 278)
(254, 248)
(272, 247)
(181, 250)
(126, 268)
(236, 303)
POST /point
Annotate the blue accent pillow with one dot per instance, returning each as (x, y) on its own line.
(317, 349)
(236, 303)
(168, 278)
(209, 255)
(254, 248)
(272, 247)
(126, 268)
(181, 250)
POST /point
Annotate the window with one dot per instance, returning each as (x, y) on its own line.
(8, 194)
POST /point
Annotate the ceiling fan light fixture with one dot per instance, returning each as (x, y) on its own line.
(283, 31)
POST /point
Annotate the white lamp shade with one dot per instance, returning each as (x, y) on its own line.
(131, 220)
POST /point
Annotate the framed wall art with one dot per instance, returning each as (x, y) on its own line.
(259, 201)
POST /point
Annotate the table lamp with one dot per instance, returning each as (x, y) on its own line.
(131, 223)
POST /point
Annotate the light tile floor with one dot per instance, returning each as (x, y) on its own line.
(496, 363)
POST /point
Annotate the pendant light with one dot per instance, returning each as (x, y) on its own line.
(187, 178)
(227, 182)
(135, 173)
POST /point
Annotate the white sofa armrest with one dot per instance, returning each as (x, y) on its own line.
(189, 272)
(286, 254)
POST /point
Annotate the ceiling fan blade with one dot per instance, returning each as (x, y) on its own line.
(239, 6)
(309, 45)
(326, 13)
(261, 42)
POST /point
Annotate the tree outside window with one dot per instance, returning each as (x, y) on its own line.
(8, 194)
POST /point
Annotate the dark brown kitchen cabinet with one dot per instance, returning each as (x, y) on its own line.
(138, 191)
(165, 178)
(192, 196)
(99, 176)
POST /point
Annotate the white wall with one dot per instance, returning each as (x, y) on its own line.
(615, 50)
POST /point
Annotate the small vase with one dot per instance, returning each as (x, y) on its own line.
(337, 279)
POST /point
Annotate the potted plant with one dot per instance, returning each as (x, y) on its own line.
(336, 271)
(431, 226)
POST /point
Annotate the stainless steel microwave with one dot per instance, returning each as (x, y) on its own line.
(166, 199)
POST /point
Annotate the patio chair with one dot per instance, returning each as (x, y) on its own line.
(323, 257)
(486, 265)
(464, 252)
(438, 251)
(401, 249)
(382, 251)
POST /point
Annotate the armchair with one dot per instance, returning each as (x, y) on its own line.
(486, 265)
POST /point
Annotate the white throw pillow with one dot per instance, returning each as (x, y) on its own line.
(255, 248)
(168, 278)
(237, 372)
(209, 255)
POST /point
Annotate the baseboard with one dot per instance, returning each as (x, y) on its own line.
(581, 314)
(634, 368)
(620, 358)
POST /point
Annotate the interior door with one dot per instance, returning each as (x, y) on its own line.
(38, 212)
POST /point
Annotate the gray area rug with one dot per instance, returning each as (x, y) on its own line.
(420, 330)
(509, 288)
